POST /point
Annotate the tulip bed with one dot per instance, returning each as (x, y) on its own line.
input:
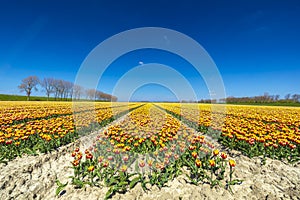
(29, 127)
(149, 147)
(254, 130)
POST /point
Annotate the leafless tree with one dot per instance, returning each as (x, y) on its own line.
(77, 91)
(91, 94)
(114, 98)
(99, 95)
(62, 89)
(56, 88)
(296, 97)
(68, 87)
(48, 85)
(28, 84)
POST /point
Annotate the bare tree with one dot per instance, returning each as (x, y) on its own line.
(61, 88)
(48, 85)
(28, 84)
(114, 98)
(56, 88)
(68, 87)
(105, 96)
(91, 94)
(99, 95)
(296, 97)
(77, 91)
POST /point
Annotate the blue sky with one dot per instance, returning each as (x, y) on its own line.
(255, 44)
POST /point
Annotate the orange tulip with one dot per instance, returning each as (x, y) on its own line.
(223, 155)
(216, 152)
(91, 168)
(212, 163)
(194, 154)
(123, 168)
(198, 163)
(232, 163)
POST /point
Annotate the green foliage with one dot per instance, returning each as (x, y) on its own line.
(60, 187)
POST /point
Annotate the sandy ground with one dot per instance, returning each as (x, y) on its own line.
(33, 177)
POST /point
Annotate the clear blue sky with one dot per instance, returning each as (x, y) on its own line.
(255, 44)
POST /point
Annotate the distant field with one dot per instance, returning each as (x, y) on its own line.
(7, 97)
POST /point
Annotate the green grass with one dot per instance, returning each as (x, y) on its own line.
(293, 104)
(7, 97)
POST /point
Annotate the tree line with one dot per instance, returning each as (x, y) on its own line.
(266, 98)
(62, 90)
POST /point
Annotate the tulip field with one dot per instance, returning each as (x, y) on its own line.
(150, 143)
(255, 130)
(40, 126)
(151, 147)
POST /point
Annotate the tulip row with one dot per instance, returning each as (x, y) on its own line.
(42, 135)
(255, 130)
(17, 112)
(150, 147)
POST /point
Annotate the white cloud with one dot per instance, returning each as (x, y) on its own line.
(141, 62)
